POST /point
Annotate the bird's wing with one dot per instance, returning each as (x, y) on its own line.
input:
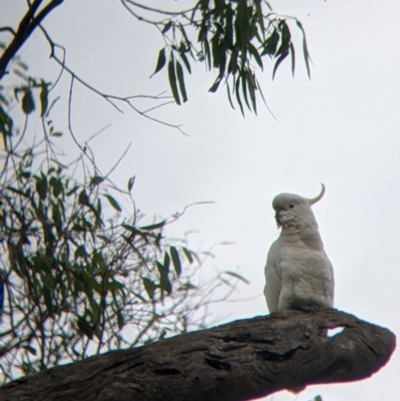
(273, 278)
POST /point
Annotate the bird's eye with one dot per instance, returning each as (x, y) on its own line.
(291, 205)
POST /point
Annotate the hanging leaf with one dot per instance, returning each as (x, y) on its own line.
(271, 44)
(167, 260)
(165, 283)
(44, 101)
(149, 286)
(186, 62)
(28, 104)
(96, 180)
(215, 85)
(293, 57)
(305, 50)
(172, 80)
(254, 52)
(237, 88)
(175, 260)
(188, 254)
(120, 320)
(179, 72)
(238, 276)
(160, 62)
(113, 203)
(85, 327)
(154, 226)
(228, 90)
(167, 27)
(57, 186)
(131, 181)
(278, 62)
(83, 198)
(41, 186)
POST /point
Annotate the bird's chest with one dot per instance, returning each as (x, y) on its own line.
(298, 262)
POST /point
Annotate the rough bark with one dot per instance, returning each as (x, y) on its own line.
(241, 360)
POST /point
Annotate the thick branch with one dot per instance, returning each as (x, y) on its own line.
(241, 360)
(27, 25)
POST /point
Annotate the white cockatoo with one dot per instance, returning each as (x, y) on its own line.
(298, 273)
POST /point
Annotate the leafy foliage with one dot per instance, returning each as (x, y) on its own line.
(232, 37)
(80, 274)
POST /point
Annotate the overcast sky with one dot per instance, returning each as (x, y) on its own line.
(340, 128)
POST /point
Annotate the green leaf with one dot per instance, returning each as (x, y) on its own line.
(215, 85)
(96, 180)
(154, 226)
(237, 88)
(85, 327)
(175, 260)
(57, 218)
(229, 25)
(57, 186)
(113, 203)
(167, 260)
(242, 25)
(280, 59)
(56, 134)
(252, 86)
(44, 101)
(149, 286)
(305, 50)
(285, 38)
(238, 276)
(244, 89)
(47, 294)
(253, 51)
(188, 254)
(115, 285)
(207, 53)
(22, 65)
(41, 186)
(95, 312)
(121, 320)
(293, 57)
(6, 123)
(131, 181)
(186, 62)
(166, 27)
(179, 72)
(160, 62)
(172, 80)
(260, 16)
(228, 90)
(165, 284)
(271, 44)
(83, 198)
(73, 190)
(28, 104)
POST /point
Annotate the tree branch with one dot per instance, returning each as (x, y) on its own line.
(27, 25)
(241, 360)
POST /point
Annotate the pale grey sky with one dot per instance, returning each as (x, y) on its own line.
(341, 128)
